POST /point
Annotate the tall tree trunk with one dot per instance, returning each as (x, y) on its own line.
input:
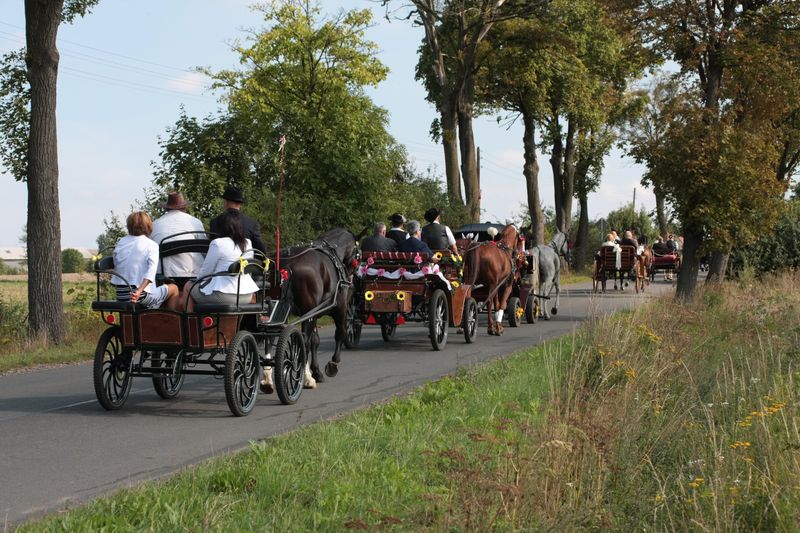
(469, 161)
(557, 164)
(661, 213)
(582, 240)
(450, 145)
(717, 267)
(45, 301)
(569, 177)
(562, 160)
(531, 172)
(690, 264)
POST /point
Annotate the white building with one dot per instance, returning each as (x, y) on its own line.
(14, 256)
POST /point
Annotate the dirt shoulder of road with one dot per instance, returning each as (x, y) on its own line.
(83, 276)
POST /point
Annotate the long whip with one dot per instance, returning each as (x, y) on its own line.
(282, 173)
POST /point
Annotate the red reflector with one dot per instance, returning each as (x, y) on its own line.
(371, 319)
(111, 319)
(208, 321)
(400, 320)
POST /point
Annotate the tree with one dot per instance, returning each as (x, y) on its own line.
(718, 122)
(71, 261)
(303, 77)
(114, 231)
(29, 152)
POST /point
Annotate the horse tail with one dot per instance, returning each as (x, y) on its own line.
(472, 259)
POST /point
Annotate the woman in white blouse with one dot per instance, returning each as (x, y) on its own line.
(228, 248)
(135, 262)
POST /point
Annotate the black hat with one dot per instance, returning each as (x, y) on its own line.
(397, 218)
(233, 194)
(431, 214)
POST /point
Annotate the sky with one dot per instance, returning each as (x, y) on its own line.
(128, 67)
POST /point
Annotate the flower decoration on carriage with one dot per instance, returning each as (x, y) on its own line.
(267, 264)
(370, 260)
(363, 270)
(242, 264)
(284, 274)
(437, 256)
(369, 296)
(96, 258)
(417, 259)
(381, 272)
(427, 270)
(400, 295)
(401, 271)
(455, 284)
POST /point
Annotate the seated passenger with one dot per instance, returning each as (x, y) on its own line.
(628, 239)
(397, 233)
(660, 247)
(135, 260)
(436, 235)
(229, 247)
(378, 242)
(176, 220)
(414, 242)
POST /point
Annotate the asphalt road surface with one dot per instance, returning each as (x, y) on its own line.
(59, 448)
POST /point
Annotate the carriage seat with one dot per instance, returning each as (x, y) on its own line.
(231, 308)
(666, 259)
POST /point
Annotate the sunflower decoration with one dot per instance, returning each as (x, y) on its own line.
(369, 296)
(437, 256)
(401, 295)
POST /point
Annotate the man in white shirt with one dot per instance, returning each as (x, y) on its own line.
(177, 220)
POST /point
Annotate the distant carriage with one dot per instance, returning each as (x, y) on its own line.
(615, 266)
(665, 262)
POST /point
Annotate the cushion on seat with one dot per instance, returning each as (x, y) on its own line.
(113, 305)
(231, 308)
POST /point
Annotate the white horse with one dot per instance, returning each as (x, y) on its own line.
(548, 259)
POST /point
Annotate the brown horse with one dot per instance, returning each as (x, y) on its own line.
(491, 264)
(642, 269)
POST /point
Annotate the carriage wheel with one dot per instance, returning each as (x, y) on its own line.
(112, 370)
(531, 309)
(389, 327)
(290, 365)
(168, 385)
(353, 325)
(242, 373)
(438, 315)
(514, 312)
(469, 320)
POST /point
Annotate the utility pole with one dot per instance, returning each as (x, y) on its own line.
(480, 192)
(634, 200)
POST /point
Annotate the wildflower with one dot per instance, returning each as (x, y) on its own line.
(630, 374)
(659, 498)
(740, 444)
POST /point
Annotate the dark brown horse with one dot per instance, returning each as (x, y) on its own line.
(319, 284)
(491, 264)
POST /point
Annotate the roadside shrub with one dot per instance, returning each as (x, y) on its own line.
(72, 261)
(7, 270)
(774, 251)
(13, 317)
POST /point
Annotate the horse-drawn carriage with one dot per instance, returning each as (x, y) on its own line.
(669, 263)
(614, 263)
(393, 288)
(230, 341)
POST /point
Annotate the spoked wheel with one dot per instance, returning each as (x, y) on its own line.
(388, 327)
(469, 320)
(290, 365)
(438, 316)
(169, 384)
(242, 373)
(531, 309)
(112, 370)
(514, 311)
(352, 326)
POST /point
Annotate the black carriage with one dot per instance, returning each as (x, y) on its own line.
(393, 288)
(233, 342)
(666, 262)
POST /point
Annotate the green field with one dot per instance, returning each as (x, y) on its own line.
(668, 417)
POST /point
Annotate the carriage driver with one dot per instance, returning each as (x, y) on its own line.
(437, 235)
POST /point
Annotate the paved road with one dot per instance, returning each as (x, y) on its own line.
(59, 447)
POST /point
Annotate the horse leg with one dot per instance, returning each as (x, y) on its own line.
(312, 369)
(266, 385)
(339, 316)
(490, 317)
(506, 294)
(557, 285)
(546, 290)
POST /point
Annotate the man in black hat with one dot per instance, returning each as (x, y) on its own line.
(397, 233)
(437, 235)
(233, 199)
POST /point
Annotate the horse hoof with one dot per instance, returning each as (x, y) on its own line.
(312, 385)
(266, 388)
(490, 331)
(331, 369)
(554, 310)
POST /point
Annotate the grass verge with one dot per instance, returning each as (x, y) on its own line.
(668, 417)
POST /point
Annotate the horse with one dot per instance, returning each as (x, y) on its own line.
(643, 269)
(319, 277)
(492, 264)
(548, 257)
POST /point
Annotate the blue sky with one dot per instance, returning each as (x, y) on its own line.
(126, 69)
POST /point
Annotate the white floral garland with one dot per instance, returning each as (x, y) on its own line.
(427, 270)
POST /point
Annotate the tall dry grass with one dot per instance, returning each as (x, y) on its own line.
(670, 417)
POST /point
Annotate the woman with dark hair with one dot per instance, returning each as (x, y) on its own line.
(230, 246)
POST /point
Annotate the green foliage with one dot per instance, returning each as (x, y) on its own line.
(304, 79)
(72, 261)
(776, 250)
(626, 218)
(12, 315)
(6, 270)
(15, 113)
(114, 231)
